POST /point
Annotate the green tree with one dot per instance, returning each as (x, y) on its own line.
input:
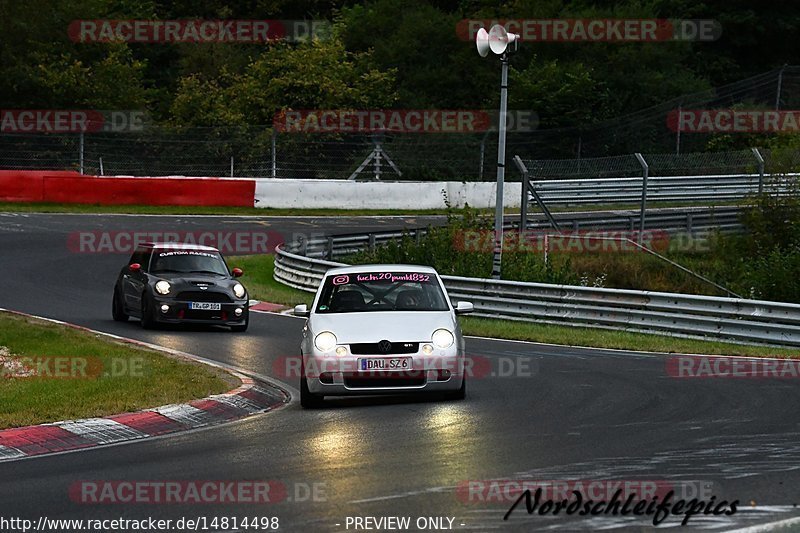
(313, 75)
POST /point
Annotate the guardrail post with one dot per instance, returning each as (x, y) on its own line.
(329, 249)
(645, 172)
(689, 220)
(371, 242)
(303, 246)
(760, 160)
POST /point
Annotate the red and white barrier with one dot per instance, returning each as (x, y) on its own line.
(74, 188)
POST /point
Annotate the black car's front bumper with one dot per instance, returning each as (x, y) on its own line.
(180, 312)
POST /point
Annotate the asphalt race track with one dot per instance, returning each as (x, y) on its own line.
(577, 414)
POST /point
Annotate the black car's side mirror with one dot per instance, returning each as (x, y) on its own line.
(135, 267)
(237, 272)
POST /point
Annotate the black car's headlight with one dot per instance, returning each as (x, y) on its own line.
(238, 290)
(163, 287)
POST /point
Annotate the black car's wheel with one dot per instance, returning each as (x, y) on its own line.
(148, 322)
(308, 399)
(459, 394)
(117, 307)
(243, 327)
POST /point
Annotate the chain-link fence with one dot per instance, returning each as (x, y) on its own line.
(258, 151)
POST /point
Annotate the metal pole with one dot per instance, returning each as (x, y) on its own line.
(678, 134)
(535, 195)
(501, 170)
(80, 153)
(483, 152)
(274, 156)
(760, 160)
(101, 167)
(645, 172)
(523, 215)
(780, 86)
(231, 166)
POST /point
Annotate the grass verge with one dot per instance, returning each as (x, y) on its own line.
(50, 372)
(603, 338)
(263, 286)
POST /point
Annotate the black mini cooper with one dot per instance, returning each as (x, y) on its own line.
(180, 283)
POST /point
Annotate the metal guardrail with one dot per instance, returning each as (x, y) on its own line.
(704, 317)
(670, 219)
(689, 219)
(717, 188)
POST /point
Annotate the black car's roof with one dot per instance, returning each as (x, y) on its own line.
(178, 246)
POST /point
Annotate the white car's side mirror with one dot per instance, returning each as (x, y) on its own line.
(301, 310)
(462, 308)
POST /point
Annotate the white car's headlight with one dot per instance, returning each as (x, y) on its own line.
(325, 341)
(162, 287)
(442, 338)
(238, 290)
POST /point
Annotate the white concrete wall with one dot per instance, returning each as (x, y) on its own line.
(343, 194)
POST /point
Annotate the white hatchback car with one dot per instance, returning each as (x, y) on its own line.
(377, 329)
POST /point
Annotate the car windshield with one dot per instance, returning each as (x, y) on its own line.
(381, 291)
(188, 261)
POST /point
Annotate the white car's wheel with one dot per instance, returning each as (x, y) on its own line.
(459, 394)
(308, 399)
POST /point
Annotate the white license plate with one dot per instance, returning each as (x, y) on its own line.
(204, 306)
(385, 363)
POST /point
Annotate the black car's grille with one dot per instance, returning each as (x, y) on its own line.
(204, 296)
(196, 314)
(374, 348)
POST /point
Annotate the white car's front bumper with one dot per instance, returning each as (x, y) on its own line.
(342, 375)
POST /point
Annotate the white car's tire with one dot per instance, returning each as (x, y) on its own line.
(308, 400)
